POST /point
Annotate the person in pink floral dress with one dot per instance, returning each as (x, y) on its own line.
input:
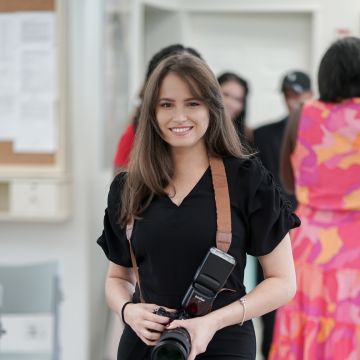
(321, 163)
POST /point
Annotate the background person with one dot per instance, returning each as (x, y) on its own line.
(267, 140)
(235, 90)
(321, 162)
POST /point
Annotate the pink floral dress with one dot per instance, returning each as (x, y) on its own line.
(322, 322)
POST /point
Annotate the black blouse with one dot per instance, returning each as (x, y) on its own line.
(170, 241)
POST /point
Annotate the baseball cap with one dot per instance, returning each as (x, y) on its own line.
(297, 81)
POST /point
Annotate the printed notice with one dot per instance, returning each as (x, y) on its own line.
(28, 89)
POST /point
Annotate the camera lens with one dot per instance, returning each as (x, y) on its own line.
(169, 351)
(173, 345)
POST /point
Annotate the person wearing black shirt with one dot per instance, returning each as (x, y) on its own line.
(267, 140)
(169, 192)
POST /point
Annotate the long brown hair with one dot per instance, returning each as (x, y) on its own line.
(151, 168)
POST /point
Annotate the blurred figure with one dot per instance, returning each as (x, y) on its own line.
(267, 139)
(321, 162)
(235, 90)
(296, 89)
(127, 139)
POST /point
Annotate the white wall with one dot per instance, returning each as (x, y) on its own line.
(254, 47)
(258, 39)
(73, 243)
(162, 27)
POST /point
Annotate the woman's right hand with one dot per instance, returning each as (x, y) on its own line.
(147, 325)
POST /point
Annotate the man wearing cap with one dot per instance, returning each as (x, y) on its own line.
(296, 88)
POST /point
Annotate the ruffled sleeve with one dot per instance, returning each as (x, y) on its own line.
(270, 215)
(113, 240)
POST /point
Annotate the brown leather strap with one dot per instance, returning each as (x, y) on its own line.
(222, 200)
(223, 214)
(129, 229)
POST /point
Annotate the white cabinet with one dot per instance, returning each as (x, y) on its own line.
(34, 199)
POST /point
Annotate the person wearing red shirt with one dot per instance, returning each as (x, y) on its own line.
(124, 147)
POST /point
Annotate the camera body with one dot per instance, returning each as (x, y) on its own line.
(209, 279)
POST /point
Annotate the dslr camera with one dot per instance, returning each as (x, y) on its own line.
(211, 276)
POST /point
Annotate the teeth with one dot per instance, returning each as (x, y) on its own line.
(180, 130)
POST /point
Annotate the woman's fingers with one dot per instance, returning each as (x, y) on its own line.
(153, 326)
(146, 341)
(152, 316)
(199, 332)
(151, 335)
(176, 323)
(146, 312)
(147, 324)
(169, 309)
(158, 319)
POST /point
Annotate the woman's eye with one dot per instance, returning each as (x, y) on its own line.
(165, 105)
(194, 103)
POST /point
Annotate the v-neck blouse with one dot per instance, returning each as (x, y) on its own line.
(189, 194)
(170, 241)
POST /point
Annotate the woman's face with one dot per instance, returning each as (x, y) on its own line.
(182, 118)
(234, 97)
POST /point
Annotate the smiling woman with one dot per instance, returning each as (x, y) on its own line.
(152, 165)
(182, 119)
(169, 192)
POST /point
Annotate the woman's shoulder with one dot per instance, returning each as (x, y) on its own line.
(116, 187)
(244, 173)
(119, 179)
(249, 165)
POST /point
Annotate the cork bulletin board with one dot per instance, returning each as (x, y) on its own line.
(7, 154)
(27, 5)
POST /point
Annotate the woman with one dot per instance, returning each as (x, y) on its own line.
(127, 139)
(235, 90)
(321, 161)
(169, 191)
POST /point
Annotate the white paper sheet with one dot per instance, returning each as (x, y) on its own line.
(37, 28)
(28, 86)
(8, 36)
(36, 126)
(37, 72)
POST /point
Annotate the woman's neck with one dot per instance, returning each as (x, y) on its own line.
(188, 160)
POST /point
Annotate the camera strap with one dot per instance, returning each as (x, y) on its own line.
(222, 203)
(223, 214)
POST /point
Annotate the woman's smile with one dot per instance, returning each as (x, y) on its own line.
(181, 130)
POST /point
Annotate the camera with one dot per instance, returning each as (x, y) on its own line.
(173, 344)
(211, 276)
